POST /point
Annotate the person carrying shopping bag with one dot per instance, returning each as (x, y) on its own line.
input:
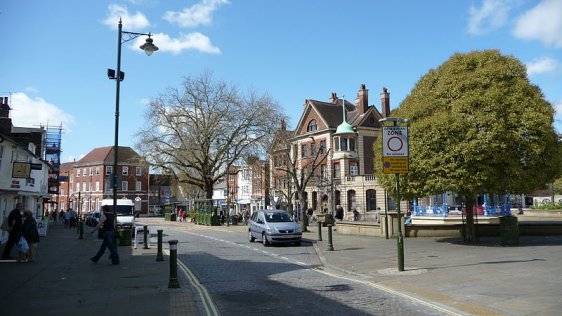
(31, 234)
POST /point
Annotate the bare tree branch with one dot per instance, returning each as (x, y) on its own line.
(198, 132)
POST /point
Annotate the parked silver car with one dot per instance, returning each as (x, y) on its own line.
(273, 226)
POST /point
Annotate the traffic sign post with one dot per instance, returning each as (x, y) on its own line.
(395, 153)
(395, 149)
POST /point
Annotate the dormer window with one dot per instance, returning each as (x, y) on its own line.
(312, 126)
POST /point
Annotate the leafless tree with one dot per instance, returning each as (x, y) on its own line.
(197, 132)
(299, 172)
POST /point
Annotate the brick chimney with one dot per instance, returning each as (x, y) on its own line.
(385, 102)
(5, 120)
(362, 100)
(334, 98)
(4, 107)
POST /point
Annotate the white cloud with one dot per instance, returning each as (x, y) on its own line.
(543, 23)
(195, 40)
(492, 15)
(32, 112)
(198, 14)
(31, 89)
(144, 102)
(133, 22)
(542, 65)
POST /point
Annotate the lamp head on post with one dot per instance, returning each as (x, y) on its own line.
(149, 47)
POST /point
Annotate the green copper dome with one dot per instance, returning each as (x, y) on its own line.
(344, 128)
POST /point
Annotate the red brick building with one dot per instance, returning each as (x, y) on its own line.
(88, 181)
(346, 132)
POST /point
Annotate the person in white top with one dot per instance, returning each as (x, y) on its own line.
(231, 215)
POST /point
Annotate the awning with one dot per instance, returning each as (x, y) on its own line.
(243, 201)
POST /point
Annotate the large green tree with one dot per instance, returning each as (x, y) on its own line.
(198, 131)
(477, 125)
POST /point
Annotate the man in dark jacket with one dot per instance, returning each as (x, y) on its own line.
(14, 225)
(107, 226)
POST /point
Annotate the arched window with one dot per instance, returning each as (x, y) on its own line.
(371, 196)
(338, 197)
(312, 126)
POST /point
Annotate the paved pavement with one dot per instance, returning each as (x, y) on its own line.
(63, 281)
(482, 279)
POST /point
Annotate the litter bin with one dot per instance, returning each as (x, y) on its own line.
(509, 231)
(125, 236)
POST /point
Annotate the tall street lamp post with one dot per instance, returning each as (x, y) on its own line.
(118, 76)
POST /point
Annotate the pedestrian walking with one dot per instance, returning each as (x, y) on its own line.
(107, 227)
(31, 234)
(14, 228)
(309, 214)
(67, 217)
(184, 215)
(246, 216)
(356, 215)
(339, 213)
(62, 216)
(231, 215)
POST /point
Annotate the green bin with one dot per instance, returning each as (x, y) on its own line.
(125, 236)
(509, 231)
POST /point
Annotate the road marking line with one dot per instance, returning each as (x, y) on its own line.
(391, 291)
(206, 299)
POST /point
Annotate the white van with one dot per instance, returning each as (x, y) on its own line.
(125, 212)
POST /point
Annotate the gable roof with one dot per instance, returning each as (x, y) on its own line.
(105, 156)
(281, 135)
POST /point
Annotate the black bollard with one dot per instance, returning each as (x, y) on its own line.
(174, 283)
(159, 256)
(330, 245)
(81, 227)
(145, 240)
(319, 231)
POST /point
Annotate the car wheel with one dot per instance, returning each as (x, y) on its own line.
(250, 237)
(264, 240)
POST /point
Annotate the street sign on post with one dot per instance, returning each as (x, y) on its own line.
(395, 149)
(395, 160)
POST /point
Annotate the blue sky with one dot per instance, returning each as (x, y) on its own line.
(55, 53)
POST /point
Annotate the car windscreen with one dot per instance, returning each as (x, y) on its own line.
(277, 217)
(123, 209)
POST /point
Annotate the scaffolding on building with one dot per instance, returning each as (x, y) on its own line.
(52, 152)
